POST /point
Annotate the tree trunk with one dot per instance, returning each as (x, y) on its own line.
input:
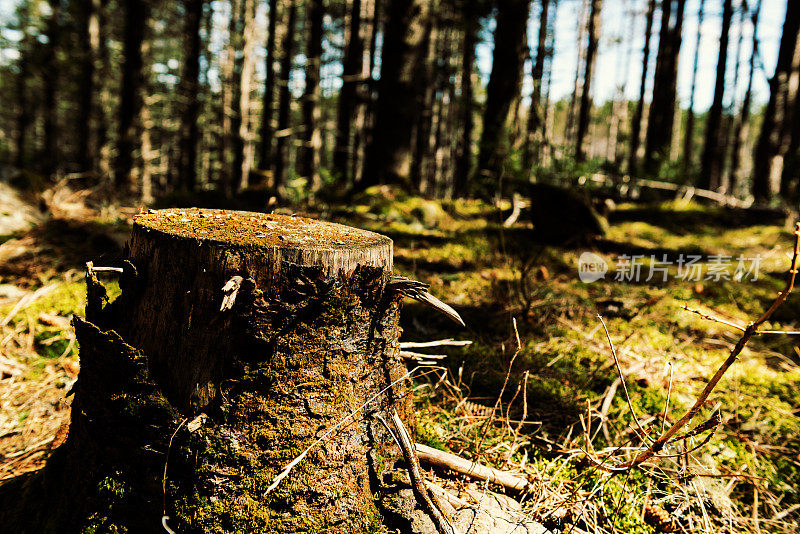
(210, 402)
(505, 83)
(101, 148)
(50, 75)
(464, 162)
(636, 122)
(351, 74)
(775, 137)
(88, 42)
(714, 149)
(268, 101)
(743, 124)
(188, 91)
(428, 79)
(732, 125)
(244, 148)
(362, 121)
(662, 110)
(688, 138)
(237, 91)
(130, 103)
(311, 99)
(23, 118)
(284, 99)
(584, 114)
(388, 157)
(531, 150)
(569, 127)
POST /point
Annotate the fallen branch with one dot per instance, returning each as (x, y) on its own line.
(438, 343)
(420, 357)
(463, 466)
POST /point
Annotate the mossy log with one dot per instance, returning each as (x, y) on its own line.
(238, 339)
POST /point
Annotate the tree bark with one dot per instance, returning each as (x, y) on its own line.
(775, 137)
(714, 149)
(505, 83)
(284, 99)
(584, 114)
(188, 91)
(185, 412)
(389, 154)
(268, 101)
(688, 138)
(130, 103)
(662, 110)
(311, 105)
(636, 122)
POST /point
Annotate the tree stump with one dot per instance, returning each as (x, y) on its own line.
(238, 339)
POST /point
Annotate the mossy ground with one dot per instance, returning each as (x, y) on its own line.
(749, 467)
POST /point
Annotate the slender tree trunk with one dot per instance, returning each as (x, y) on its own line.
(268, 107)
(88, 42)
(311, 99)
(50, 78)
(352, 72)
(662, 110)
(774, 139)
(743, 124)
(714, 150)
(531, 149)
(364, 111)
(688, 139)
(284, 98)
(188, 91)
(504, 86)
(584, 114)
(24, 113)
(545, 152)
(230, 89)
(732, 125)
(636, 122)
(246, 68)
(145, 167)
(569, 128)
(101, 148)
(389, 154)
(621, 112)
(429, 81)
(464, 159)
(130, 105)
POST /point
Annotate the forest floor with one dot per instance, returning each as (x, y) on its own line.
(537, 345)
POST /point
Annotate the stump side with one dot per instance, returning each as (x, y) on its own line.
(185, 257)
